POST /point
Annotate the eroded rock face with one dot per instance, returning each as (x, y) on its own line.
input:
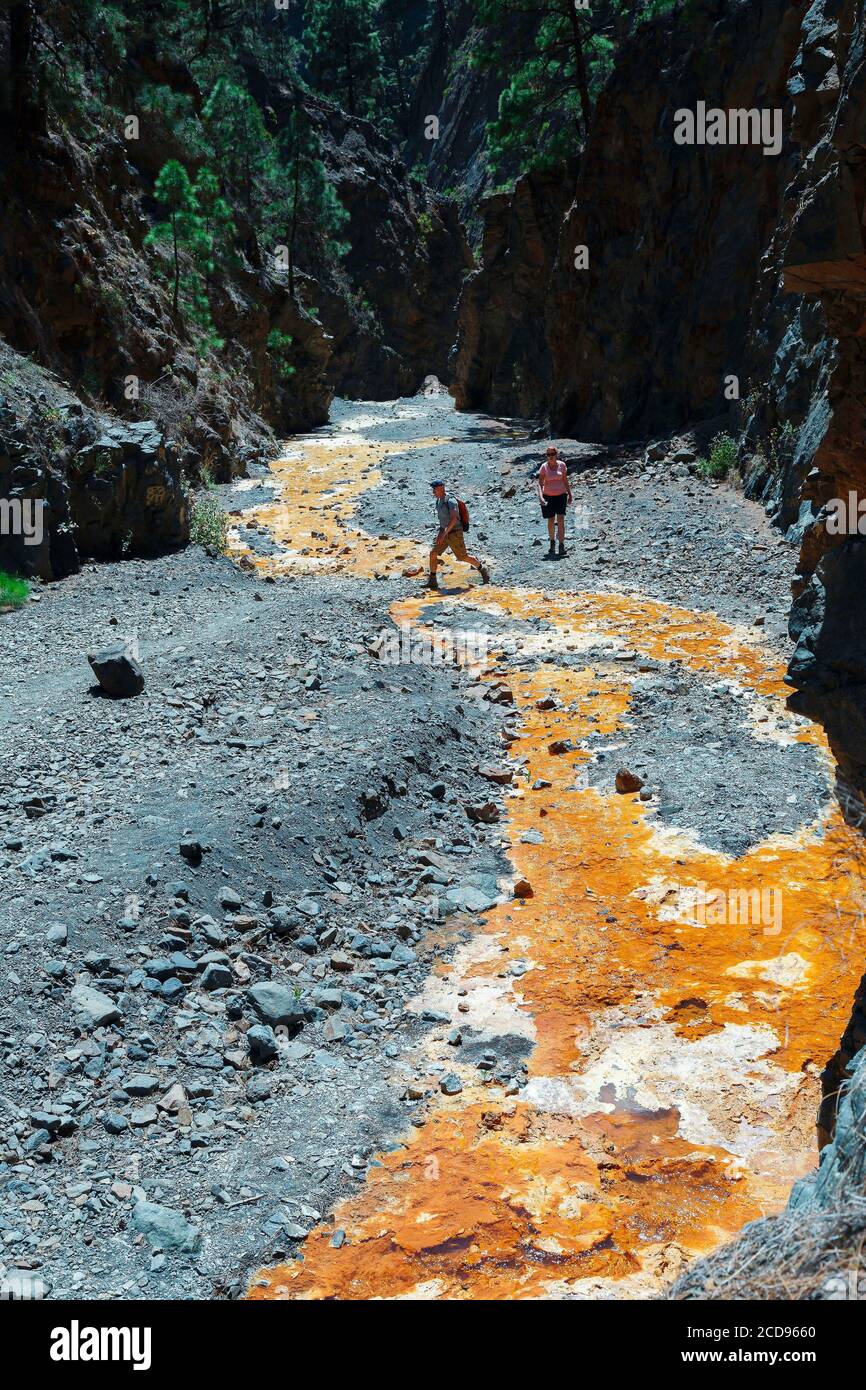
(126, 495)
(705, 262)
(390, 310)
(641, 340)
(94, 486)
(501, 360)
(826, 258)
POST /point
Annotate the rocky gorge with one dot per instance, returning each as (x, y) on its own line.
(271, 967)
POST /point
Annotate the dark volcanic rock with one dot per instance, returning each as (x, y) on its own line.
(825, 256)
(641, 339)
(108, 488)
(126, 493)
(501, 359)
(390, 313)
(118, 673)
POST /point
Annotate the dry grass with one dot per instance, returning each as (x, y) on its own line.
(816, 1248)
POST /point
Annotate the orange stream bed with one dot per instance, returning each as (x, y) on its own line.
(674, 1066)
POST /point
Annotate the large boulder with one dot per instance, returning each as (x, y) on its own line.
(118, 672)
(127, 496)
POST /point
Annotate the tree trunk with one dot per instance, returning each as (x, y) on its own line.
(174, 299)
(294, 231)
(580, 68)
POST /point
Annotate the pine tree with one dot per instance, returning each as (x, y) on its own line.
(218, 225)
(174, 190)
(304, 198)
(554, 55)
(191, 235)
(241, 143)
(343, 53)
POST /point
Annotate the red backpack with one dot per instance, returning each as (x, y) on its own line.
(463, 511)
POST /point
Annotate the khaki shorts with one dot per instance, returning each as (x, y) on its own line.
(455, 543)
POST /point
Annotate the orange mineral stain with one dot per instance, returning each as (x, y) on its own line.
(673, 1058)
(311, 518)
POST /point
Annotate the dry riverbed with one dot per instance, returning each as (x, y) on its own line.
(518, 1062)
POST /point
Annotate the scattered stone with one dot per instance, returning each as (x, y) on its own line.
(275, 1004)
(144, 1115)
(262, 1043)
(334, 1030)
(97, 1007)
(258, 1089)
(627, 781)
(118, 673)
(141, 1085)
(164, 1228)
(216, 976)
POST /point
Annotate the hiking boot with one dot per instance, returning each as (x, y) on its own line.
(551, 554)
(432, 582)
(561, 550)
(485, 574)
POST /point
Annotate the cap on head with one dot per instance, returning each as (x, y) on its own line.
(438, 483)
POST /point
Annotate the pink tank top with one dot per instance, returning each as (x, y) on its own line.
(553, 478)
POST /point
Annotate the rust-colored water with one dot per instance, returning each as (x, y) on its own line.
(673, 1071)
(318, 486)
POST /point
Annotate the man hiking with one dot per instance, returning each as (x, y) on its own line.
(554, 493)
(450, 536)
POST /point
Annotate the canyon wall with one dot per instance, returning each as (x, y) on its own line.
(825, 259)
(642, 338)
(705, 262)
(81, 296)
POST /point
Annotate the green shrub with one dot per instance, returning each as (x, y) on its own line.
(722, 459)
(208, 523)
(280, 346)
(13, 592)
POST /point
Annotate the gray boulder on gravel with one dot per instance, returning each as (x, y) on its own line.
(118, 673)
(165, 1228)
(98, 1008)
(275, 1004)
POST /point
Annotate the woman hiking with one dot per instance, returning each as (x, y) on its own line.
(554, 494)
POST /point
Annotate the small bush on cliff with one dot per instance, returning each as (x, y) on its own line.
(280, 346)
(722, 458)
(13, 592)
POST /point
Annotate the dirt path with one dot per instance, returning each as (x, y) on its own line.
(672, 966)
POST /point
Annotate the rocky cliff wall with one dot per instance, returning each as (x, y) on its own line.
(641, 338)
(502, 358)
(80, 293)
(825, 260)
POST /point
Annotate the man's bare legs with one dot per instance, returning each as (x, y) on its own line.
(468, 559)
